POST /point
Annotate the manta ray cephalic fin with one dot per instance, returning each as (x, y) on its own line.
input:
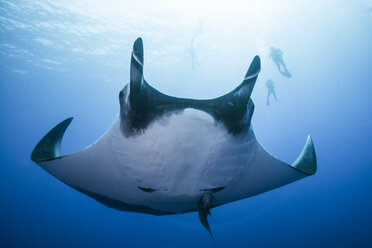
(136, 69)
(141, 104)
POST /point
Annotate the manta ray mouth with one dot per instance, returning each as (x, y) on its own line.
(141, 104)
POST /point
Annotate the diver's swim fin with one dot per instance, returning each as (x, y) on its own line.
(285, 73)
(205, 203)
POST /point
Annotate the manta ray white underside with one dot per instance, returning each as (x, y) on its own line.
(167, 155)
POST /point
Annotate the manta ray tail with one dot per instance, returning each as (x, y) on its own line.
(205, 203)
(49, 146)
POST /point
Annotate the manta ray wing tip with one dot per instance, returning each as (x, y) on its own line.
(48, 147)
(306, 161)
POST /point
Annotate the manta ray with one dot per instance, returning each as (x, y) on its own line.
(166, 155)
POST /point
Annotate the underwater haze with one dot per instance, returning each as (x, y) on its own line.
(71, 58)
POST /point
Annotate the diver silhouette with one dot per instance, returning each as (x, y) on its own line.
(192, 54)
(270, 90)
(277, 56)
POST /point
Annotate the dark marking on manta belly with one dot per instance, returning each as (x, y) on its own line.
(213, 190)
(147, 190)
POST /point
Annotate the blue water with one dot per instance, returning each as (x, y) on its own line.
(71, 58)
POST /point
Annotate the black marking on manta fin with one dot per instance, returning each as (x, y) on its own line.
(49, 146)
(306, 161)
(136, 69)
(140, 104)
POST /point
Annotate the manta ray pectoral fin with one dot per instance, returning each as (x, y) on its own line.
(306, 161)
(204, 206)
(49, 146)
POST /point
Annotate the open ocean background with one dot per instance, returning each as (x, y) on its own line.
(71, 58)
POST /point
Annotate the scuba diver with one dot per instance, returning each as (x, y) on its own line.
(277, 56)
(270, 90)
(192, 54)
(197, 32)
